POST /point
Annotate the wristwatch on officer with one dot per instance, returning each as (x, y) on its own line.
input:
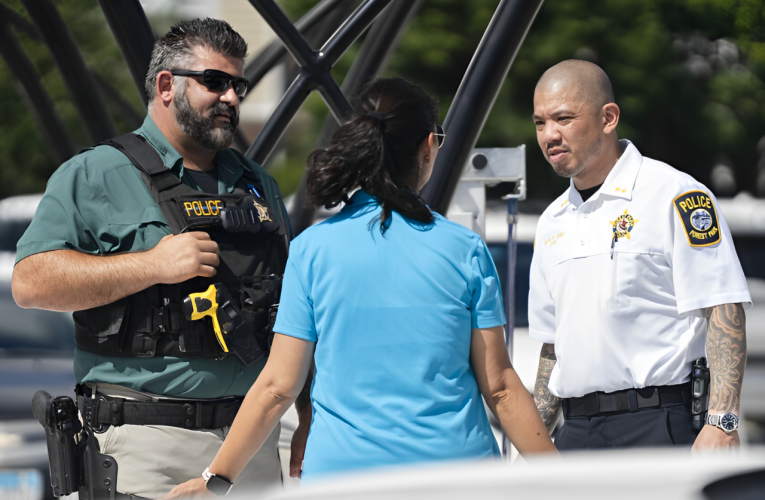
(218, 485)
(725, 421)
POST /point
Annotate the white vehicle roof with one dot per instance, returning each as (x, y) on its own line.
(19, 207)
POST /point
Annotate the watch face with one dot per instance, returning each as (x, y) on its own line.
(219, 485)
(729, 422)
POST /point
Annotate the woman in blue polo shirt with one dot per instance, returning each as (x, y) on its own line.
(400, 309)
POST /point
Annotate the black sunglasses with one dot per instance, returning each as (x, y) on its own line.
(440, 135)
(217, 81)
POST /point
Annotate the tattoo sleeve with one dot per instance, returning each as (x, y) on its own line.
(547, 404)
(726, 352)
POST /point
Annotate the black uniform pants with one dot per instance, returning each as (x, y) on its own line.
(667, 426)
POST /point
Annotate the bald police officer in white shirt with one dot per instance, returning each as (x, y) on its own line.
(634, 276)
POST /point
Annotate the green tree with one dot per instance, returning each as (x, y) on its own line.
(26, 161)
(688, 74)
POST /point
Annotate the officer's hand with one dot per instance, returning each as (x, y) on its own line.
(712, 437)
(195, 488)
(181, 257)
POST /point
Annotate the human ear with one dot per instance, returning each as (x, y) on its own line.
(610, 113)
(165, 88)
(425, 148)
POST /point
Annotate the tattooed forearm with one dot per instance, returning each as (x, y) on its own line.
(547, 404)
(726, 352)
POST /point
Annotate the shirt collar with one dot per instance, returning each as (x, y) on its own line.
(361, 197)
(618, 184)
(170, 157)
(230, 168)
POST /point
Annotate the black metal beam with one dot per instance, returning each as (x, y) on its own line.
(322, 31)
(315, 69)
(134, 36)
(286, 31)
(350, 30)
(18, 21)
(128, 112)
(35, 94)
(131, 115)
(269, 135)
(268, 57)
(77, 77)
(476, 95)
(373, 57)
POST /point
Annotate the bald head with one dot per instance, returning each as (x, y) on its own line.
(576, 118)
(584, 80)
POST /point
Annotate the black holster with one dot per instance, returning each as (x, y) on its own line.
(75, 460)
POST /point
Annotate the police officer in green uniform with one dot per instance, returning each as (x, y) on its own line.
(123, 241)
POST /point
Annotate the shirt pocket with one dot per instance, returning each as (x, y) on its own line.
(134, 230)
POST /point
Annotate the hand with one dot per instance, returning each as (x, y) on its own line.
(195, 488)
(712, 437)
(180, 257)
(297, 447)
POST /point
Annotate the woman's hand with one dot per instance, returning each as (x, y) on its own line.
(505, 394)
(195, 488)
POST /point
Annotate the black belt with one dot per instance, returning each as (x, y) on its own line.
(628, 400)
(104, 411)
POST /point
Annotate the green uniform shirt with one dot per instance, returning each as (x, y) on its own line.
(97, 203)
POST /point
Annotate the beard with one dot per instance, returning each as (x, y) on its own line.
(592, 151)
(202, 127)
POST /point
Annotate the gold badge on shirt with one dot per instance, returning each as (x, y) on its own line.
(262, 212)
(623, 225)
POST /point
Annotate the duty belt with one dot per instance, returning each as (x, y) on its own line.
(104, 411)
(628, 400)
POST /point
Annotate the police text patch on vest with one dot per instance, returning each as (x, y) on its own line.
(194, 208)
(699, 217)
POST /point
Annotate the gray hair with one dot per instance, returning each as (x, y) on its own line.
(175, 49)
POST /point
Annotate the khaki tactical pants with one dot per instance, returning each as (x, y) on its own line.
(152, 459)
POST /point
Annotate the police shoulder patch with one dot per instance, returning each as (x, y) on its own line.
(699, 217)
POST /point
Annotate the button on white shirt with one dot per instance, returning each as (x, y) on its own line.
(630, 316)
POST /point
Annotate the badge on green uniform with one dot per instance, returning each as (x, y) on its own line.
(699, 217)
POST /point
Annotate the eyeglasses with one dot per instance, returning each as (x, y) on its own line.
(217, 81)
(440, 135)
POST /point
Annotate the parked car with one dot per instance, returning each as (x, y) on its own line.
(16, 213)
(602, 475)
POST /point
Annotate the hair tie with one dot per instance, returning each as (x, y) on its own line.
(377, 116)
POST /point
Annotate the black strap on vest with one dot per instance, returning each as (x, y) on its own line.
(145, 158)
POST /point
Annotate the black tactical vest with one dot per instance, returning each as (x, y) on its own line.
(253, 254)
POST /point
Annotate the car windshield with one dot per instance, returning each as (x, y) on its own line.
(25, 330)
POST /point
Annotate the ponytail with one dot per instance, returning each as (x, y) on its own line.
(377, 150)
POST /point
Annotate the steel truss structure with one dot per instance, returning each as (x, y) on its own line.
(326, 25)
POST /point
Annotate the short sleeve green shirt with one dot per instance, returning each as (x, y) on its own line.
(97, 203)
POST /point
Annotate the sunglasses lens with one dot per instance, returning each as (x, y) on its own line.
(216, 83)
(240, 87)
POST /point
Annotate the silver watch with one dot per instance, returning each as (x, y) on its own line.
(726, 421)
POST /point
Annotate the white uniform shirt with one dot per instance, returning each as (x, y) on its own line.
(635, 319)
